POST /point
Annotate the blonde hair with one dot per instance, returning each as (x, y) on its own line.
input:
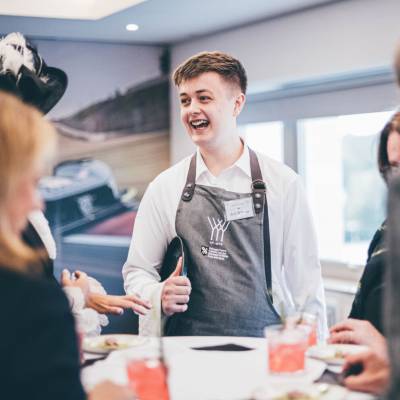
(26, 140)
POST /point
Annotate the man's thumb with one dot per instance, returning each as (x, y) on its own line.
(178, 269)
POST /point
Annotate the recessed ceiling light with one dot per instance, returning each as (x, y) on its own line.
(132, 27)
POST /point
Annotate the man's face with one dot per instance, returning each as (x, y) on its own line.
(209, 107)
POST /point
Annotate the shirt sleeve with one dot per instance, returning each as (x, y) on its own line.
(152, 232)
(302, 268)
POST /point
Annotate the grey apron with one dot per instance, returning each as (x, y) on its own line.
(229, 262)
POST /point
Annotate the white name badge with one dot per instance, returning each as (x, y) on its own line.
(239, 209)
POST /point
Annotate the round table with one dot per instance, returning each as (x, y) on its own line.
(201, 374)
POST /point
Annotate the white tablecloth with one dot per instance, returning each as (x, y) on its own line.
(204, 375)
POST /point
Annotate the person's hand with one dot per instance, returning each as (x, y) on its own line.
(109, 304)
(79, 279)
(356, 331)
(176, 291)
(109, 391)
(375, 375)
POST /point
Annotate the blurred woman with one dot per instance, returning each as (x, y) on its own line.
(38, 346)
(367, 304)
(365, 324)
(24, 73)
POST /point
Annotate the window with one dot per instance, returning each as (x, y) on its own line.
(337, 158)
(265, 137)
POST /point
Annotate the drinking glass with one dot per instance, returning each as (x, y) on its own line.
(286, 348)
(147, 375)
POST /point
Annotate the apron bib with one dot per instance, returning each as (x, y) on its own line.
(229, 263)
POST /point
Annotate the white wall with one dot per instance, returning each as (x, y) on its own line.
(97, 70)
(343, 37)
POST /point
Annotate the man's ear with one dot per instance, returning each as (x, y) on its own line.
(239, 103)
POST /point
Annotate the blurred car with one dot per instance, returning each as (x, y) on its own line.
(82, 194)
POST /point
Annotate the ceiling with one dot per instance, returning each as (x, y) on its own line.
(71, 9)
(160, 21)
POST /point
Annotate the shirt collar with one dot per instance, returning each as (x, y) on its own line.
(242, 163)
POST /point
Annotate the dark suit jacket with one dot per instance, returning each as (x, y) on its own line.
(39, 357)
(367, 303)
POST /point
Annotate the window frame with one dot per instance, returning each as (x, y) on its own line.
(371, 90)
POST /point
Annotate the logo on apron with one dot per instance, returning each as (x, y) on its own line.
(218, 228)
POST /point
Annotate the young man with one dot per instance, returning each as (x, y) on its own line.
(243, 218)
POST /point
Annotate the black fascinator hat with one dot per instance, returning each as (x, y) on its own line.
(24, 73)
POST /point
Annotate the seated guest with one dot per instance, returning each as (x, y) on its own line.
(366, 320)
(392, 293)
(368, 301)
(38, 345)
(24, 73)
(375, 374)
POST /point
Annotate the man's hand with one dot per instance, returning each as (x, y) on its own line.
(375, 375)
(357, 331)
(108, 304)
(176, 291)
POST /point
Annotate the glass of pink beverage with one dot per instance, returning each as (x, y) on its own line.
(148, 378)
(307, 322)
(286, 349)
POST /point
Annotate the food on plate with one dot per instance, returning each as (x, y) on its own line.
(112, 343)
(104, 344)
(314, 391)
(296, 395)
(340, 354)
(334, 353)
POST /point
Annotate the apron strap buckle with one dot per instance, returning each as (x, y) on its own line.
(258, 188)
(188, 192)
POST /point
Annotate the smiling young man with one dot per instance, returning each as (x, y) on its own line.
(251, 253)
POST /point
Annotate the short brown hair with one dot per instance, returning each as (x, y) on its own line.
(383, 158)
(229, 68)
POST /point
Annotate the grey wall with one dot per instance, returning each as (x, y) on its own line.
(97, 70)
(339, 38)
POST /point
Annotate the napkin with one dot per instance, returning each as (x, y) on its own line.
(224, 347)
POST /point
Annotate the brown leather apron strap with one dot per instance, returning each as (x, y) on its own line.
(190, 184)
(259, 193)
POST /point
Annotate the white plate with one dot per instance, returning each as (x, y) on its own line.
(314, 391)
(334, 354)
(99, 345)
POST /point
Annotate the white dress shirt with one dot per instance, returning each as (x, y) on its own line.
(296, 271)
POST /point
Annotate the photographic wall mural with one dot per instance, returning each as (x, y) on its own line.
(113, 126)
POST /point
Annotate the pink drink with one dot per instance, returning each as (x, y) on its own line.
(148, 379)
(286, 349)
